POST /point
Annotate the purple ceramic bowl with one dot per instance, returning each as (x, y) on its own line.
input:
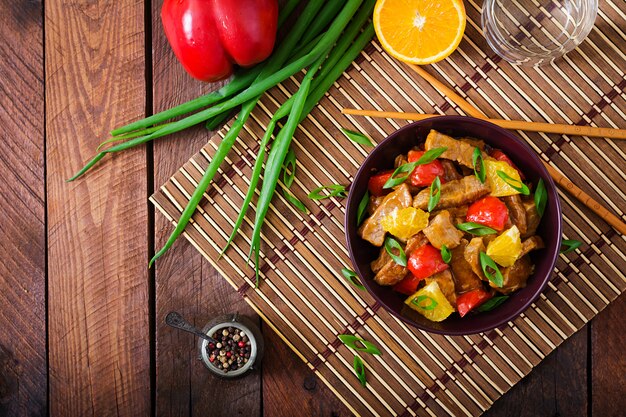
(382, 158)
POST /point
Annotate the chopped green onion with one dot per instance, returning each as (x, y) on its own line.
(352, 278)
(541, 197)
(390, 245)
(435, 194)
(428, 157)
(289, 168)
(357, 137)
(486, 263)
(479, 165)
(334, 190)
(446, 255)
(353, 342)
(476, 229)
(294, 201)
(517, 185)
(492, 303)
(359, 369)
(570, 245)
(362, 209)
(419, 302)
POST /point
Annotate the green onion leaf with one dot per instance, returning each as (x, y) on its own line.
(446, 255)
(435, 194)
(402, 169)
(517, 185)
(570, 245)
(541, 197)
(357, 137)
(428, 157)
(359, 369)
(487, 264)
(333, 191)
(352, 278)
(420, 300)
(357, 343)
(362, 209)
(479, 165)
(492, 303)
(294, 200)
(390, 245)
(289, 168)
(476, 229)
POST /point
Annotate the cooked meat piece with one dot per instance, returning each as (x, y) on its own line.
(446, 285)
(373, 204)
(474, 142)
(465, 171)
(532, 243)
(390, 274)
(515, 276)
(464, 278)
(378, 263)
(454, 193)
(387, 271)
(458, 214)
(517, 212)
(458, 150)
(532, 217)
(371, 229)
(441, 231)
(400, 160)
(472, 256)
(449, 171)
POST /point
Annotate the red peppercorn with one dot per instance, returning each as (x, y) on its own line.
(212, 345)
(229, 354)
(241, 344)
(211, 359)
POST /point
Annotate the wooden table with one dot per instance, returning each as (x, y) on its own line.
(82, 328)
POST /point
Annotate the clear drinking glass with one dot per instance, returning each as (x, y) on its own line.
(536, 32)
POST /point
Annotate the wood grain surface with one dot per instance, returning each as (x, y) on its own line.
(23, 367)
(97, 226)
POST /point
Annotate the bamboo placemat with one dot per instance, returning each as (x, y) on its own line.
(303, 295)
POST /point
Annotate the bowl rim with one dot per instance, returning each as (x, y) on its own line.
(544, 175)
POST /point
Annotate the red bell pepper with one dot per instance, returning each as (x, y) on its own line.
(488, 211)
(210, 36)
(468, 301)
(408, 285)
(426, 261)
(424, 175)
(497, 154)
(376, 183)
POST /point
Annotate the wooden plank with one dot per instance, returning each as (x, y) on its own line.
(23, 368)
(185, 282)
(608, 362)
(99, 349)
(557, 386)
(290, 388)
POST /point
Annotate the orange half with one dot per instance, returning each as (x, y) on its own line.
(419, 31)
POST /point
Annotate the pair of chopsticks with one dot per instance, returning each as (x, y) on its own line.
(559, 178)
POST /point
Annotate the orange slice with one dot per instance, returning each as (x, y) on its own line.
(419, 31)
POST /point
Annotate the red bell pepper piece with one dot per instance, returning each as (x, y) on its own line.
(210, 36)
(497, 154)
(426, 261)
(468, 301)
(424, 175)
(488, 211)
(408, 285)
(376, 183)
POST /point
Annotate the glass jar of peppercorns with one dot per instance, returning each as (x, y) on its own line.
(239, 346)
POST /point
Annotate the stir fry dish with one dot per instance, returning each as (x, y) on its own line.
(455, 222)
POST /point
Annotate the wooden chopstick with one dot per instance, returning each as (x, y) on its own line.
(557, 176)
(506, 124)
